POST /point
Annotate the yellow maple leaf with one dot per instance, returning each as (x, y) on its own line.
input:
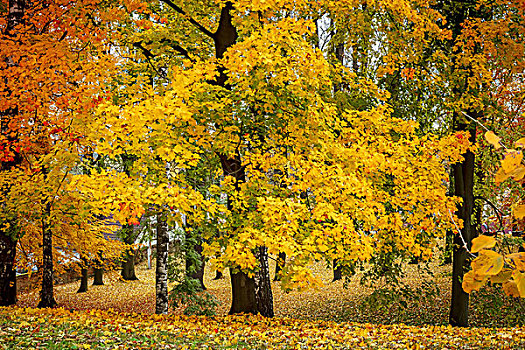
(501, 176)
(519, 173)
(472, 281)
(519, 211)
(482, 242)
(520, 143)
(511, 161)
(519, 278)
(487, 263)
(511, 289)
(493, 139)
(503, 276)
(517, 259)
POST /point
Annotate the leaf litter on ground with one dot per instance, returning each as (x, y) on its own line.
(119, 314)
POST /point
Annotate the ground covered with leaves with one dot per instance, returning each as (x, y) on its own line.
(96, 329)
(343, 314)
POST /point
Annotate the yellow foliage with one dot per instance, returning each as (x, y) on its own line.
(493, 139)
(482, 242)
(488, 263)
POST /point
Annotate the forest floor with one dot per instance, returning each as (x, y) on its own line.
(119, 315)
(424, 300)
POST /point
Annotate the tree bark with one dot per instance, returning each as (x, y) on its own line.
(7, 270)
(98, 277)
(47, 298)
(263, 285)
(161, 273)
(338, 271)
(198, 271)
(128, 264)
(463, 188)
(83, 281)
(243, 294)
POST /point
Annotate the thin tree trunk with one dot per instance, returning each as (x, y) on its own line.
(161, 273)
(263, 285)
(218, 275)
(279, 265)
(464, 188)
(47, 298)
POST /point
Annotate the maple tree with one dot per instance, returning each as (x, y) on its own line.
(303, 175)
(47, 98)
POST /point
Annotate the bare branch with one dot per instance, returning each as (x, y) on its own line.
(199, 26)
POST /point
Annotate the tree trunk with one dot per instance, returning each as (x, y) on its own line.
(263, 286)
(218, 275)
(279, 265)
(197, 272)
(128, 264)
(463, 188)
(243, 294)
(161, 273)
(98, 277)
(7, 270)
(83, 281)
(47, 298)
(338, 271)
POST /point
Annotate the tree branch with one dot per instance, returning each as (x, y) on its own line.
(199, 26)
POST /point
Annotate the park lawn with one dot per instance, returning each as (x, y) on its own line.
(28, 328)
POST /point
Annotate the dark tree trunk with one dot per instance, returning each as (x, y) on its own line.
(218, 275)
(128, 264)
(243, 294)
(83, 281)
(463, 188)
(47, 298)
(7, 270)
(197, 272)
(15, 15)
(98, 277)
(161, 273)
(263, 285)
(279, 265)
(98, 271)
(338, 271)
